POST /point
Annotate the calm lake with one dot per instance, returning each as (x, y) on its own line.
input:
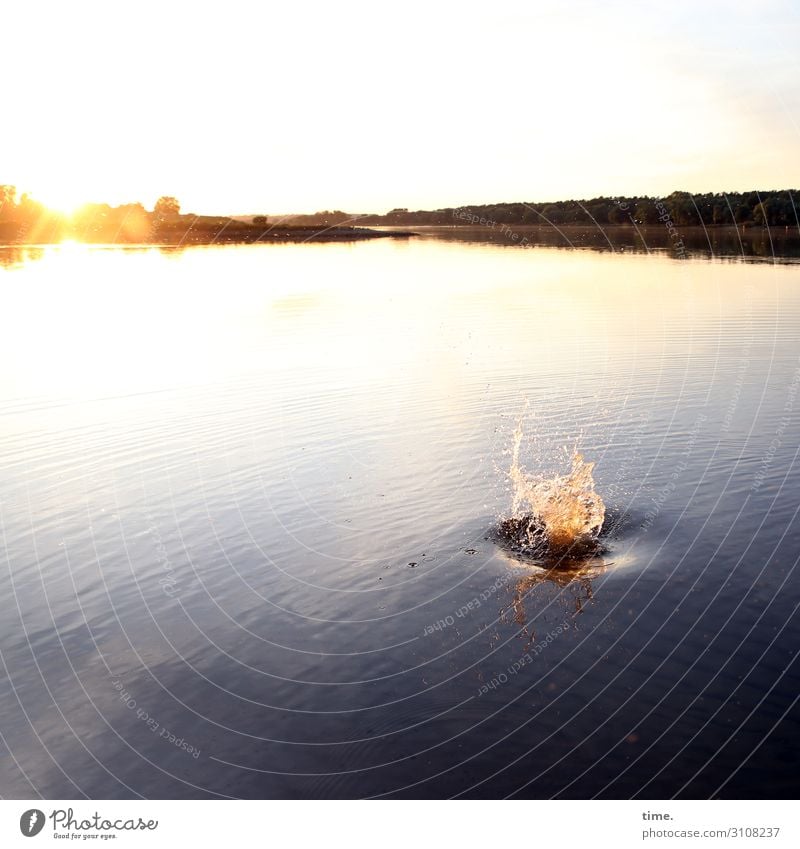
(248, 497)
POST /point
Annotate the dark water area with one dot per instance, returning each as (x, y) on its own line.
(249, 505)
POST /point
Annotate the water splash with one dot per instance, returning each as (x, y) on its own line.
(553, 516)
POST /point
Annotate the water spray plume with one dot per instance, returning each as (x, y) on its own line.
(553, 515)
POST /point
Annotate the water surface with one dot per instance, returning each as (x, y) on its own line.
(247, 502)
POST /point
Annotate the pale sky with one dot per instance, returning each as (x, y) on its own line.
(243, 107)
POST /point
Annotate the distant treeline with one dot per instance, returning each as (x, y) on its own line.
(773, 208)
(326, 218)
(26, 220)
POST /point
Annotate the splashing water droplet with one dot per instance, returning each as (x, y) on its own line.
(552, 515)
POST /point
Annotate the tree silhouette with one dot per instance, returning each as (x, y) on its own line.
(167, 205)
(8, 196)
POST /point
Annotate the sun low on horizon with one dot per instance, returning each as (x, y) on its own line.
(63, 200)
(60, 193)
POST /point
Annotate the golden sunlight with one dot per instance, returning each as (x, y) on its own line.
(64, 199)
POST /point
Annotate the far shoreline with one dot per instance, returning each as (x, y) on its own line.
(197, 232)
(627, 226)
